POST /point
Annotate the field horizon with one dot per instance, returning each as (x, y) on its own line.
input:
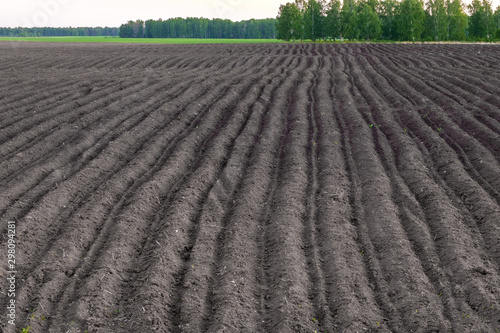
(119, 40)
(115, 39)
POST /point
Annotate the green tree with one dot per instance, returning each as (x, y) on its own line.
(457, 20)
(476, 9)
(348, 17)
(374, 4)
(489, 20)
(410, 19)
(139, 29)
(301, 5)
(313, 20)
(333, 23)
(496, 18)
(387, 16)
(289, 22)
(438, 24)
(481, 22)
(129, 30)
(148, 30)
(369, 24)
(126, 30)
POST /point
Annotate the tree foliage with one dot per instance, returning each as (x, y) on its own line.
(410, 20)
(192, 27)
(436, 20)
(457, 20)
(496, 18)
(58, 32)
(348, 17)
(332, 21)
(313, 20)
(132, 29)
(289, 23)
(388, 11)
(482, 21)
(369, 24)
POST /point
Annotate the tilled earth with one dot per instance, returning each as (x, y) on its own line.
(251, 188)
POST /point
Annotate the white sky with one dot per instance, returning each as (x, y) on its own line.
(112, 13)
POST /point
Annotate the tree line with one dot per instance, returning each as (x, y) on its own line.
(199, 28)
(405, 20)
(58, 32)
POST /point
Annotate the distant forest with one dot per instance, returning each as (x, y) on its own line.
(58, 32)
(404, 20)
(199, 28)
(397, 20)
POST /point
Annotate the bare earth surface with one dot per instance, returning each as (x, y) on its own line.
(251, 188)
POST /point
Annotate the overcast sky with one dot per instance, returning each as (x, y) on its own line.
(64, 13)
(112, 13)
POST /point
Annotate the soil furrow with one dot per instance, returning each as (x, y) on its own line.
(195, 142)
(434, 92)
(187, 84)
(166, 139)
(18, 99)
(17, 136)
(385, 227)
(317, 290)
(420, 187)
(187, 253)
(289, 298)
(160, 111)
(479, 161)
(476, 160)
(61, 163)
(411, 214)
(345, 272)
(202, 254)
(474, 196)
(324, 187)
(269, 156)
(484, 210)
(441, 91)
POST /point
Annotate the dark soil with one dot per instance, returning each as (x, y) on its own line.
(251, 188)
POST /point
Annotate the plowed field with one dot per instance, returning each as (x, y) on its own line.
(251, 188)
